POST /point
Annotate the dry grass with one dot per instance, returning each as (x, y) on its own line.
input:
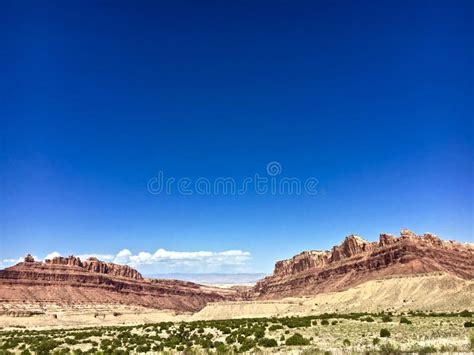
(336, 333)
(437, 292)
(397, 294)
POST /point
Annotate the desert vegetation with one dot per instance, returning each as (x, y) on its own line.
(353, 332)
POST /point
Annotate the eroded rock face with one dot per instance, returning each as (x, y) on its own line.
(95, 265)
(301, 262)
(351, 246)
(60, 260)
(407, 234)
(357, 260)
(72, 281)
(387, 239)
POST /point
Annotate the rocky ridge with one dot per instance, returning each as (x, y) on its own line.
(68, 280)
(95, 265)
(356, 260)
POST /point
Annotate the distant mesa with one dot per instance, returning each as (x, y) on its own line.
(69, 280)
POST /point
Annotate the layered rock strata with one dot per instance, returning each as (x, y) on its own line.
(356, 261)
(68, 280)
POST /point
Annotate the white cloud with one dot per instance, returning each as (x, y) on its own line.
(162, 255)
(103, 257)
(198, 261)
(123, 256)
(52, 255)
(9, 262)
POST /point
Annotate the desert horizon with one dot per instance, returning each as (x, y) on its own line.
(246, 177)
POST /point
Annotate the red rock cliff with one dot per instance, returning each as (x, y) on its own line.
(95, 265)
(357, 260)
(72, 281)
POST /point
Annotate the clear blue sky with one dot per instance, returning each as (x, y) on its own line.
(372, 98)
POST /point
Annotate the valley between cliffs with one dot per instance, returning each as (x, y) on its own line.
(409, 272)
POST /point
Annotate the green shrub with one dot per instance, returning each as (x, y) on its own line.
(157, 348)
(295, 322)
(346, 342)
(225, 330)
(384, 333)
(259, 333)
(297, 339)
(221, 348)
(105, 343)
(468, 324)
(267, 342)
(46, 346)
(405, 320)
(275, 327)
(247, 345)
(389, 348)
(324, 322)
(465, 313)
(376, 341)
(142, 349)
(426, 350)
(71, 341)
(386, 318)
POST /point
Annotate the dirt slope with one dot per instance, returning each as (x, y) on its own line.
(437, 292)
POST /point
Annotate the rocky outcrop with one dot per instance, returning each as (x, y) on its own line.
(356, 261)
(95, 265)
(386, 239)
(303, 261)
(407, 234)
(68, 280)
(351, 246)
(29, 259)
(59, 260)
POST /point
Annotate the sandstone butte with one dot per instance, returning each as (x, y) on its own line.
(356, 261)
(68, 280)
